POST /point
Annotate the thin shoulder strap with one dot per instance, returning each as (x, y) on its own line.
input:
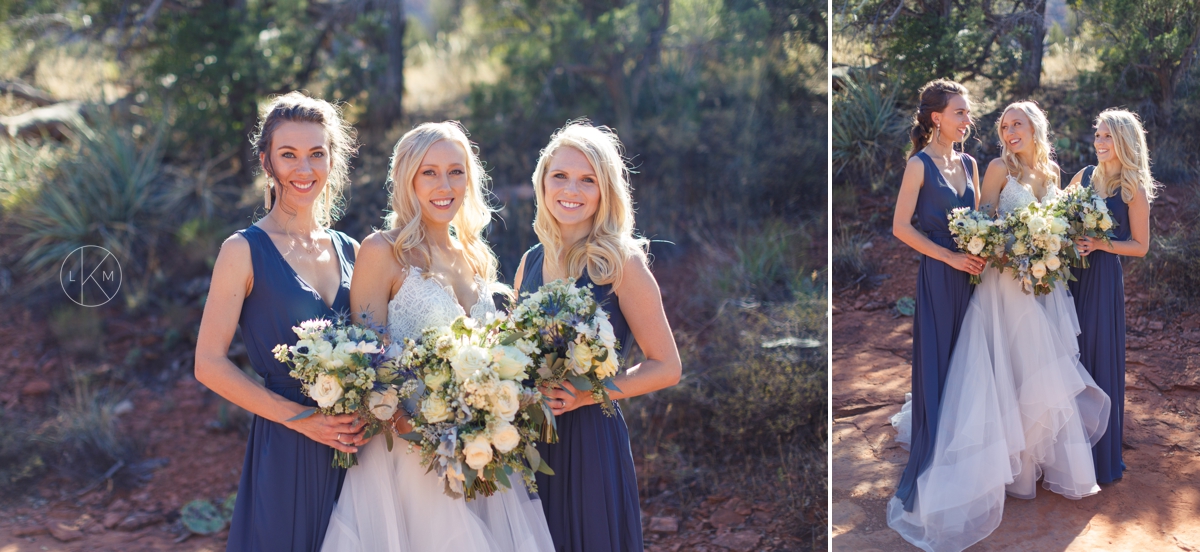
(1087, 175)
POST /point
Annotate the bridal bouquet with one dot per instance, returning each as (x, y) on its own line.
(575, 340)
(1037, 242)
(344, 368)
(473, 409)
(1087, 215)
(976, 233)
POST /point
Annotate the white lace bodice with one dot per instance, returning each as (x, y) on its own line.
(1016, 195)
(424, 302)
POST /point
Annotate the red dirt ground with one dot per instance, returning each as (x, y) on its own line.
(1156, 506)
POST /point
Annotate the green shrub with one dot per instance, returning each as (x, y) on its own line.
(1171, 268)
(85, 436)
(108, 192)
(868, 133)
(22, 456)
(851, 262)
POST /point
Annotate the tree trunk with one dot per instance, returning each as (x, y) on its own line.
(386, 107)
(1030, 78)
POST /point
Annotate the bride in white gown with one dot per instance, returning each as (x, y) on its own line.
(389, 503)
(1017, 406)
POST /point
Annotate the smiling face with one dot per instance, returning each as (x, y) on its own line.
(299, 163)
(1104, 143)
(1016, 131)
(441, 182)
(955, 120)
(571, 188)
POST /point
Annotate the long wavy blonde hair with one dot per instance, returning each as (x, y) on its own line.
(1043, 153)
(1129, 145)
(469, 222)
(611, 241)
(296, 107)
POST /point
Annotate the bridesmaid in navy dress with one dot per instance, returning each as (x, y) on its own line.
(936, 180)
(1122, 177)
(286, 268)
(584, 222)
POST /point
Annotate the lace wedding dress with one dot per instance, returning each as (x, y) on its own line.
(1018, 406)
(388, 501)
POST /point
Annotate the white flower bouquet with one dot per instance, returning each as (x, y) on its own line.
(344, 368)
(565, 324)
(978, 234)
(475, 413)
(1037, 243)
(1087, 215)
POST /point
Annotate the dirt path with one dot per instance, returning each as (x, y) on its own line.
(1155, 507)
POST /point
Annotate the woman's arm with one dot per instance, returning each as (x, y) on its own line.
(232, 280)
(641, 304)
(902, 228)
(376, 280)
(1139, 232)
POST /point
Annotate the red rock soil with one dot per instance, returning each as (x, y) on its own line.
(1156, 506)
(206, 463)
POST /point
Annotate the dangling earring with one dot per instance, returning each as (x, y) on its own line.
(937, 134)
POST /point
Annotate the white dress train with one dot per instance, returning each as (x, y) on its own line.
(388, 501)
(1017, 406)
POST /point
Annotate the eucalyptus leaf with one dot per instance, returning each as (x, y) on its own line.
(412, 436)
(502, 477)
(306, 413)
(545, 468)
(387, 436)
(532, 455)
(608, 384)
(581, 383)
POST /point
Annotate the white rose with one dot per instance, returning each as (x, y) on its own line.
(580, 358)
(1105, 223)
(1058, 225)
(507, 400)
(511, 363)
(975, 245)
(435, 409)
(1089, 222)
(468, 360)
(605, 331)
(970, 226)
(1100, 204)
(326, 390)
(383, 405)
(1038, 225)
(1018, 248)
(505, 437)
(1054, 246)
(1038, 269)
(436, 380)
(608, 368)
(1053, 263)
(477, 451)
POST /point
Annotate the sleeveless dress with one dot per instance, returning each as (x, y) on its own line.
(1017, 406)
(941, 298)
(389, 502)
(1100, 301)
(288, 486)
(591, 501)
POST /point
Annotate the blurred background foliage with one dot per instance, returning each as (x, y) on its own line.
(1074, 57)
(128, 125)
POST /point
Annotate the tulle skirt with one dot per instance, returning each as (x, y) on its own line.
(1017, 407)
(390, 504)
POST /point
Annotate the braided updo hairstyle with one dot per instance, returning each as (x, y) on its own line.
(935, 96)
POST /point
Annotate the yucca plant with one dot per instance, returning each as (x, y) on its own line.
(868, 131)
(108, 192)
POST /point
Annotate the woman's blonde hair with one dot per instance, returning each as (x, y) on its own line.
(611, 240)
(1129, 145)
(1043, 153)
(469, 222)
(296, 107)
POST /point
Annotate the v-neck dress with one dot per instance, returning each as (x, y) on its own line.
(942, 296)
(1099, 293)
(288, 485)
(591, 501)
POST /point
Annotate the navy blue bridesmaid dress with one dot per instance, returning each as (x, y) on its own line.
(942, 297)
(591, 501)
(1099, 293)
(288, 486)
